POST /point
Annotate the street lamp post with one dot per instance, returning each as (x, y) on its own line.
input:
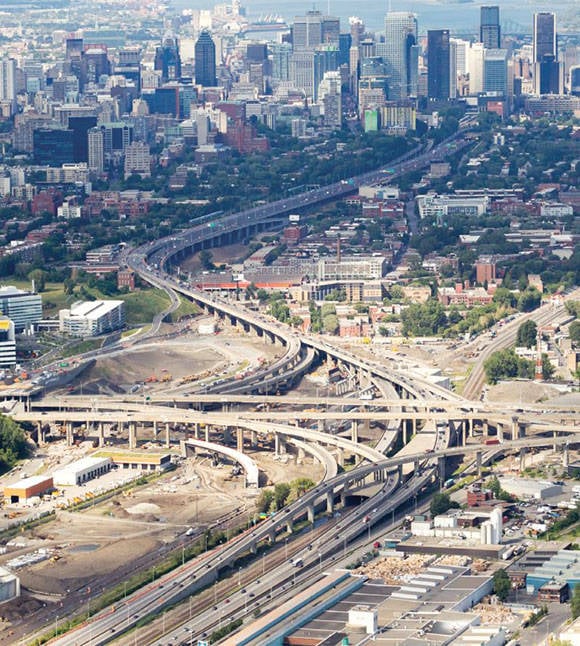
(286, 548)
(56, 625)
(239, 577)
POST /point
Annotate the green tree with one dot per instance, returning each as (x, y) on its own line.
(281, 494)
(39, 278)
(205, 258)
(13, 444)
(501, 584)
(264, 501)
(424, 319)
(575, 602)
(527, 334)
(574, 331)
(504, 297)
(441, 502)
(330, 324)
(500, 365)
(529, 300)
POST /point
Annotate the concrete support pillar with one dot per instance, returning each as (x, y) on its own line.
(500, 432)
(340, 456)
(405, 429)
(155, 430)
(132, 435)
(289, 527)
(101, 434)
(240, 439)
(354, 431)
(310, 512)
(555, 446)
(478, 462)
(167, 435)
(329, 502)
(485, 427)
(40, 434)
(321, 425)
(464, 432)
(366, 425)
(301, 454)
(522, 458)
(206, 433)
(196, 430)
(515, 428)
(69, 434)
(565, 458)
(441, 469)
(523, 428)
(470, 427)
(253, 439)
(400, 472)
(276, 444)
(272, 536)
(227, 435)
(415, 466)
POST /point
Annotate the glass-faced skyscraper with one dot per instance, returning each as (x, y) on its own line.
(205, 63)
(489, 29)
(545, 53)
(400, 44)
(439, 64)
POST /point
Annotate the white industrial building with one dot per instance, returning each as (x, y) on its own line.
(7, 343)
(9, 585)
(82, 470)
(489, 532)
(91, 318)
(528, 488)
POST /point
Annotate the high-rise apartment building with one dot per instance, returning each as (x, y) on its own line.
(438, 64)
(489, 28)
(205, 60)
(400, 57)
(8, 80)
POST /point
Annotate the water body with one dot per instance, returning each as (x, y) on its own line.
(460, 16)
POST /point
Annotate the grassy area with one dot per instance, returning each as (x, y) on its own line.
(141, 307)
(80, 347)
(186, 308)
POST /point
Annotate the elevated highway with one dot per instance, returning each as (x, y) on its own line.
(204, 571)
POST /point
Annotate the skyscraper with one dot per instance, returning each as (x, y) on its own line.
(314, 29)
(489, 29)
(544, 35)
(545, 54)
(168, 60)
(438, 64)
(401, 37)
(8, 81)
(205, 63)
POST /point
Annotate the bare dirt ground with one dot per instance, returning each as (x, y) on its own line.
(525, 392)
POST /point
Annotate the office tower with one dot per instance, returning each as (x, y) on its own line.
(94, 64)
(314, 29)
(96, 152)
(168, 60)
(326, 59)
(545, 54)
(8, 81)
(489, 29)
(575, 80)
(550, 76)
(53, 146)
(475, 58)
(80, 127)
(438, 64)
(344, 45)
(205, 60)
(137, 160)
(400, 38)
(256, 52)
(129, 65)
(495, 72)
(544, 42)
(281, 53)
(357, 30)
(329, 93)
(302, 71)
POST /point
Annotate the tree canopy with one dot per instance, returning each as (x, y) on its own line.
(13, 444)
